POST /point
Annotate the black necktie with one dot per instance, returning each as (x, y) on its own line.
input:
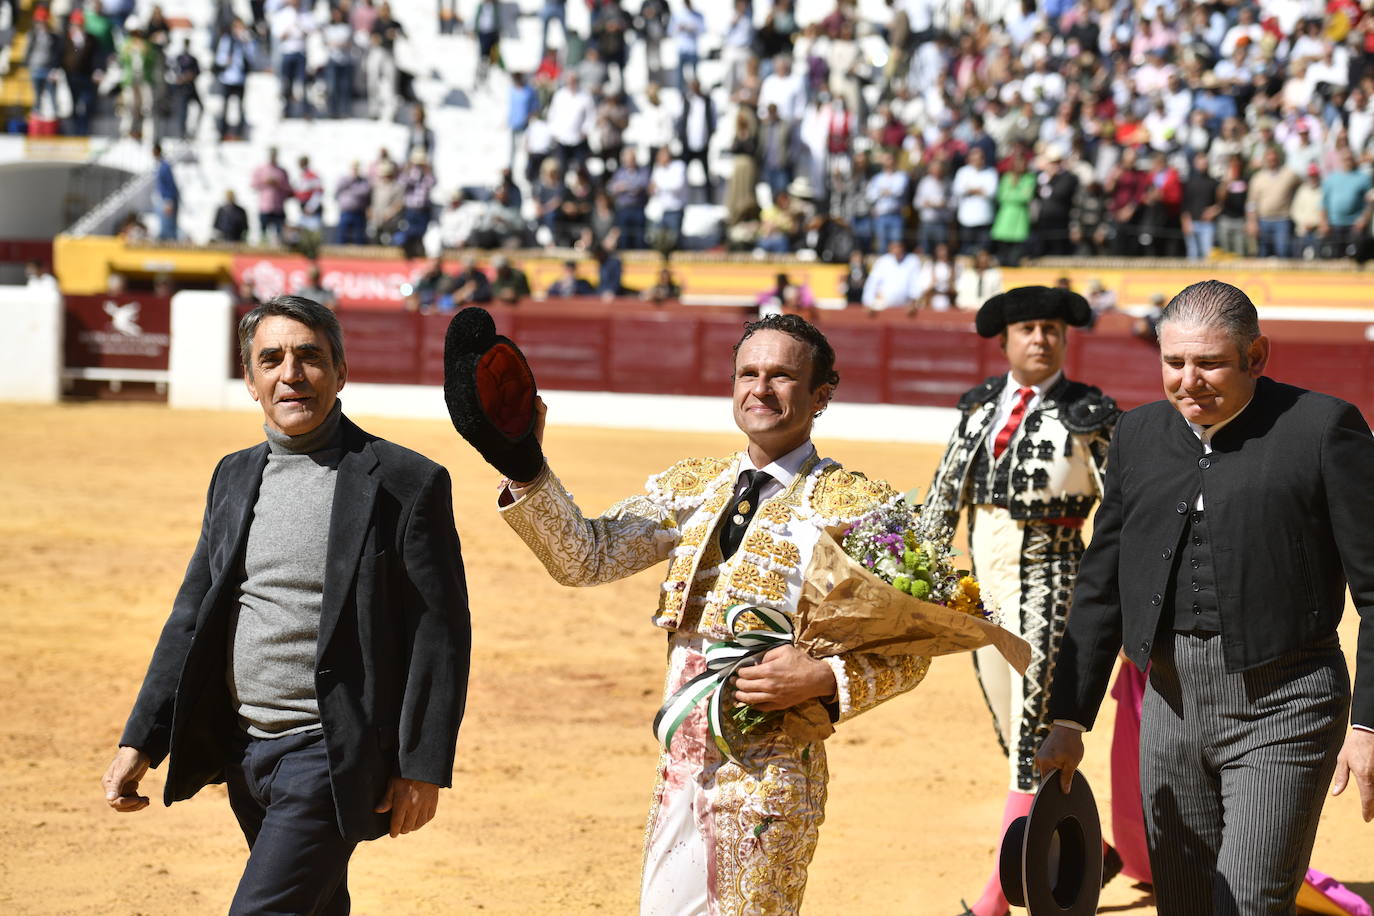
(739, 515)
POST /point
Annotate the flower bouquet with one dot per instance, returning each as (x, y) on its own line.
(885, 584)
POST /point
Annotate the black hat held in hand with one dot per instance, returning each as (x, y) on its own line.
(1028, 303)
(1051, 860)
(490, 393)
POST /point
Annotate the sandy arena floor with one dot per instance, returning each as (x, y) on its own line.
(101, 505)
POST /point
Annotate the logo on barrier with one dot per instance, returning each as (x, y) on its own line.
(132, 332)
(124, 318)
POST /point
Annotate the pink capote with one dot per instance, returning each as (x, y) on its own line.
(1320, 893)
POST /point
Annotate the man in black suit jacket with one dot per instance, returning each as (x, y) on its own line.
(1220, 556)
(316, 656)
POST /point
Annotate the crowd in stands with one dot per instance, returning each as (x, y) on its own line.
(1020, 128)
(1067, 127)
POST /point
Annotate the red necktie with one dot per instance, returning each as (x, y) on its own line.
(1018, 412)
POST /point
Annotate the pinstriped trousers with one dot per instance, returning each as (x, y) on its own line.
(1233, 772)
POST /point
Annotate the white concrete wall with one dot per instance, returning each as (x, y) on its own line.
(199, 359)
(31, 345)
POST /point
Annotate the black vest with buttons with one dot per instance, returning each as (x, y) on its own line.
(1193, 597)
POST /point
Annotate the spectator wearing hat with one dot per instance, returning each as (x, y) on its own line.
(1344, 215)
(1026, 464)
(1269, 205)
(1306, 214)
(388, 202)
(417, 185)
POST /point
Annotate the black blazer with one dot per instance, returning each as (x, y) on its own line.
(1290, 515)
(392, 658)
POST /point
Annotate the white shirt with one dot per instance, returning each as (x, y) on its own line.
(569, 116)
(783, 471)
(670, 185)
(891, 282)
(974, 209)
(1010, 396)
(786, 92)
(290, 27)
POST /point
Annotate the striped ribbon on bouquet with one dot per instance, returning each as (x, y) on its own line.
(723, 659)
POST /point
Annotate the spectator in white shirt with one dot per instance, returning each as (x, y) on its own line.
(291, 28)
(783, 89)
(893, 279)
(974, 191)
(886, 193)
(668, 196)
(570, 117)
(933, 207)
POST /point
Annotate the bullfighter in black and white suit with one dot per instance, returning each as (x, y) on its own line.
(1026, 463)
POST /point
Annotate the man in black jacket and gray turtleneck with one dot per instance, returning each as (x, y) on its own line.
(316, 657)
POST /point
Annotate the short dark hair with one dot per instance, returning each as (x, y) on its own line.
(794, 326)
(298, 308)
(1214, 304)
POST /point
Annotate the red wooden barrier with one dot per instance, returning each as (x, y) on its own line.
(929, 359)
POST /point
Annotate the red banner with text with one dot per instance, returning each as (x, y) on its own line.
(353, 281)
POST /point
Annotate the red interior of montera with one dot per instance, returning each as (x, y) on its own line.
(506, 389)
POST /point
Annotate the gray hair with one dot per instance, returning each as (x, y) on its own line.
(298, 308)
(1214, 304)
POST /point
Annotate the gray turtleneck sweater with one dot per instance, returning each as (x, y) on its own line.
(271, 669)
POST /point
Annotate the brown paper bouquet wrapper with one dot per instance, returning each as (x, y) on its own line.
(846, 608)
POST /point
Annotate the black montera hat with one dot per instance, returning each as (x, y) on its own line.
(490, 393)
(1027, 303)
(1051, 861)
